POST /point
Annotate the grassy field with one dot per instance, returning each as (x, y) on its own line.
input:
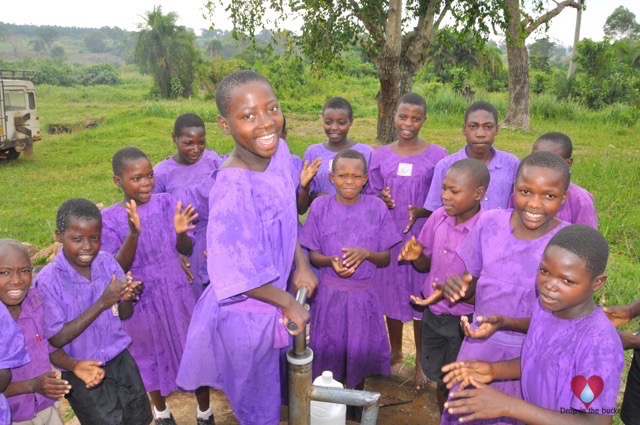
(77, 164)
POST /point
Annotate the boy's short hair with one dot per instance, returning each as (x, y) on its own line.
(230, 83)
(413, 99)
(562, 140)
(75, 208)
(119, 159)
(546, 159)
(586, 243)
(7, 242)
(481, 106)
(187, 120)
(474, 169)
(339, 103)
(351, 154)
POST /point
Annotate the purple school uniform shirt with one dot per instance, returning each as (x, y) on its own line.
(12, 354)
(506, 268)
(24, 407)
(555, 351)
(332, 226)
(179, 180)
(503, 167)
(67, 294)
(321, 182)
(440, 237)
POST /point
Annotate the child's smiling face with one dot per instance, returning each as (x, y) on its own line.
(538, 195)
(81, 241)
(254, 119)
(460, 195)
(349, 177)
(191, 143)
(15, 274)
(409, 119)
(336, 123)
(136, 181)
(565, 285)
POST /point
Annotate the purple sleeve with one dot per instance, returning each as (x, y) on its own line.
(310, 237)
(237, 260)
(470, 249)
(587, 212)
(434, 200)
(376, 180)
(111, 241)
(426, 235)
(54, 307)
(12, 350)
(160, 177)
(388, 234)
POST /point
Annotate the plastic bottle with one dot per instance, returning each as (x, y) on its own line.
(328, 413)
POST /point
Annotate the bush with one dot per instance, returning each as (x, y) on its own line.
(104, 74)
(622, 114)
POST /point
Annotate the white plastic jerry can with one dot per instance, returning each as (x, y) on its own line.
(328, 413)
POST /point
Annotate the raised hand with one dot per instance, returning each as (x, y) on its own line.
(50, 386)
(463, 372)
(489, 326)
(134, 218)
(455, 287)
(483, 402)
(309, 171)
(183, 220)
(90, 371)
(353, 257)
(114, 291)
(385, 195)
(431, 299)
(618, 314)
(411, 251)
(339, 267)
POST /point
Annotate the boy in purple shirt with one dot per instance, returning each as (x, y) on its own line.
(86, 295)
(190, 166)
(480, 129)
(571, 358)
(434, 252)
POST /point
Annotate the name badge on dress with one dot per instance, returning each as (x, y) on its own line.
(404, 169)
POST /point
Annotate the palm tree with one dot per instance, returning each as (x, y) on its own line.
(168, 52)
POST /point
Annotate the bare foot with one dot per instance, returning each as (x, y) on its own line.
(421, 379)
(396, 358)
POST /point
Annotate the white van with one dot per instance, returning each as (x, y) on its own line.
(19, 121)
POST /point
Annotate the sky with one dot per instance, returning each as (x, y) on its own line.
(127, 14)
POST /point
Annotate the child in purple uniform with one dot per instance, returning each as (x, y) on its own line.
(12, 355)
(501, 254)
(34, 387)
(571, 358)
(349, 235)
(238, 326)
(190, 166)
(86, 295)
(147, 233)
(401, 173)
(434, 252)
(480, 129)
(337, 118)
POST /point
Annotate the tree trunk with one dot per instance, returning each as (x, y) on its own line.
(518, 113)
(576, 40)
(387, 98)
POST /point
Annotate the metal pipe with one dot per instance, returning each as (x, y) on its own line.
(300, 340)
(368, 400)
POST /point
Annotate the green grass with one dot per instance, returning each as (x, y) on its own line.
(606, 157)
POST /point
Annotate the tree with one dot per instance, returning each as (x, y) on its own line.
(381, 28)
(95, 42)
(167, 51)
(621, 24)
(45, 37)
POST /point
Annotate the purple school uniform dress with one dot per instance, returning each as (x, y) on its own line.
(234, 341)
(507, 269)
(12, 354)
(556, 351)
(178, 180)
(24, 407)
(67, 294)
(159, 324)
(503, 167)
(348, 335)
(408, 178)
(321, 182)
(440, 237)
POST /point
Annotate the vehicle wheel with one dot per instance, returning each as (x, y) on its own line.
(9, 154)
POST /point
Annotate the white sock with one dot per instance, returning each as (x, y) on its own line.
(203, 415)
(164, 414)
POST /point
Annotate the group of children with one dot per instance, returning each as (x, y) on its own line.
(188, 282)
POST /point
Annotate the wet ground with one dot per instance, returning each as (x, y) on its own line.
(401, 404)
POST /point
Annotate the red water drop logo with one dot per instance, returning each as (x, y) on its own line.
(587, 389)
